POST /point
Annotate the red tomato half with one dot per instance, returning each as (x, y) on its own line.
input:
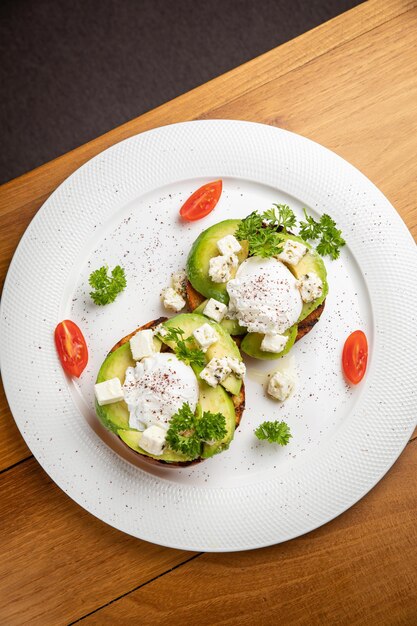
(71, 347)
(202, 202)
(355, 356)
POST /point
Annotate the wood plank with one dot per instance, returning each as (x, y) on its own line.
(282, 103)
(58, 561)
(13, 448)
(358, 569)
(359, 100)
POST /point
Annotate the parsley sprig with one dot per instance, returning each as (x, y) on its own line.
(187, 432)
(262, 231)
(185, 349)
(263, 239)
(106, 287)
(274, 432)
(325, 230)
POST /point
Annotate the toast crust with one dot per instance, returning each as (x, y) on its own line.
(238, 401)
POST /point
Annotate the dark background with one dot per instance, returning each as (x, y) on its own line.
(71, 70)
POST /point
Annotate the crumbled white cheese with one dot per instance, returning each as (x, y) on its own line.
(172, 300)
(237, 367)
(216, 371)
(142, 344)
(153, 440)
(228, 245)
(220, 267)
(215, 310)
(273, 343)
(108, 391)
(160, 330)
(310, 286)
(178, 282)
(205, 336)
(281, 386)
(292, 252)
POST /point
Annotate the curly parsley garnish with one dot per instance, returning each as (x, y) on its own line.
(187, 432)
(106, 287)
(280, 215)
(262, 231)
(263, 239)
(325, 230)
(274, 432)
(184, 349)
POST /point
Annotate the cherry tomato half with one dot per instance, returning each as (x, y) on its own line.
(71, 347)
(202, 202)
(355, 356)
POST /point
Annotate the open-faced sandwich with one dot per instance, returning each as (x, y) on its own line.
(259, 281)
(173, 389)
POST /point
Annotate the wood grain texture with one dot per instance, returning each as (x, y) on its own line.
(350, 84)
(358, 569)
(58, 561)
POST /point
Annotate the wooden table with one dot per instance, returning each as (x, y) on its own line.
(350, 84)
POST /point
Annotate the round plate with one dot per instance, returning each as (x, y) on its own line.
(122, 208)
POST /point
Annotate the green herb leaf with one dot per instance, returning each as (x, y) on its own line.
(310, 229)
(106, 287)
(331, 239)
(185, 349)
(274, 432)
(187, 432)
(280, 216)
(263, 239)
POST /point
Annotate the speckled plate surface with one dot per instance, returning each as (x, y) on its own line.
(122, 207)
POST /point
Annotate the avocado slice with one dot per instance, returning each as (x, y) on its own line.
(311, 262)
(230, 326)
(115, 416)
(132, 439)
(251, 344)
(225, 346)
(202, 250)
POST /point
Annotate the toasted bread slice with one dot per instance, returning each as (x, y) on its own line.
(194, 299)
(238, 401)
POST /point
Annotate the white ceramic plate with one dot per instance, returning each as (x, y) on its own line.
(122, 207)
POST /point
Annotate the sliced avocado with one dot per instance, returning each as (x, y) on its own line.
(115, 416)
(251, 344)
(216, 400)
(132, 439)
(225, 346)
(311, 262)
(202, 250)
(230, 326)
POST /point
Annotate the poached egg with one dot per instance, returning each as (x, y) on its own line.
(264, 297)
(156, 388)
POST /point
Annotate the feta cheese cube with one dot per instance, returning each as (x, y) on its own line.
(178, 281)
(220, 267)
(142, 344)
(205, 336)
(281, 386)
(228, 245)
(215, 310)
(273, 343)
(108, 392)
(292, 252)
(216, 371)
(310, 286)
(160, 330)
(153, 440)
(238, 367)
(173, 300)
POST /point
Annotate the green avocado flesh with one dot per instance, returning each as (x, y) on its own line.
(115, 416)
(251, 344)
(225, 346)
(311, 262)
(202, 250)
(230, 326)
